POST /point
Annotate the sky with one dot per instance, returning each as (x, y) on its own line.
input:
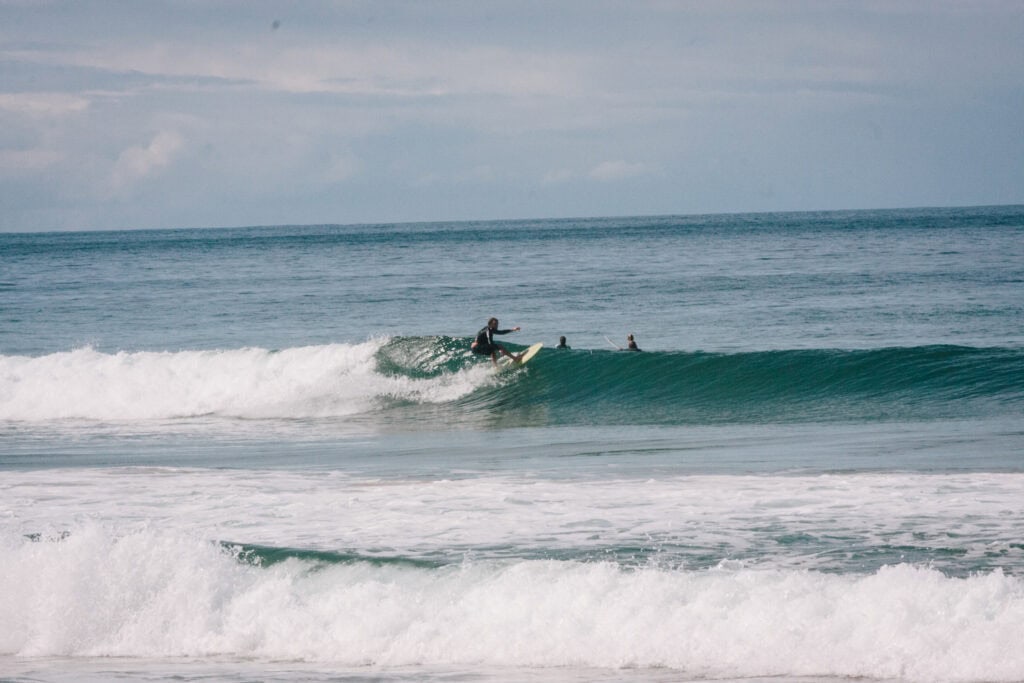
(207, 113)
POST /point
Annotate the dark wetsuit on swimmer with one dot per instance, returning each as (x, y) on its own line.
(485, 345)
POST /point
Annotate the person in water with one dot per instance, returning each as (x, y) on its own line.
(561, 343)
(631, 343)
(484, 344)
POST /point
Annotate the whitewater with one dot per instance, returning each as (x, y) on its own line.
(331, 380)
(154, 594)
(709, 576)
(268, 454)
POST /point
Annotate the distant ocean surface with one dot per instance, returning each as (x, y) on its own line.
(268, 453)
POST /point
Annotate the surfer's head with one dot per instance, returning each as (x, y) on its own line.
(492, 323)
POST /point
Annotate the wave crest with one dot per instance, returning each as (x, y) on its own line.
(333, 380)
(438, 377)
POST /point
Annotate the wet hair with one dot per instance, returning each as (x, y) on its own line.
(492, 322)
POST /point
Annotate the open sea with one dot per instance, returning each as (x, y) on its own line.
(267, 454)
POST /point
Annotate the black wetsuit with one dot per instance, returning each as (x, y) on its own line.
(485, 345)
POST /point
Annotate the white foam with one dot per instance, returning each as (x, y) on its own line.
(149, 593)
(312, 381)
(975, 517)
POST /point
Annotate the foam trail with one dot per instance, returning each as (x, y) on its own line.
(312, 381)
(144, 593)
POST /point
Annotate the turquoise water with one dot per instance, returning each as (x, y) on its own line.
(221, 450)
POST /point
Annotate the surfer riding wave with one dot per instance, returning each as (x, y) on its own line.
(484, 343)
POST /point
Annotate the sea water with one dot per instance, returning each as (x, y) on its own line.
(268, 453)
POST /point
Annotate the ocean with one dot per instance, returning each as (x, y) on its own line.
(268, 454)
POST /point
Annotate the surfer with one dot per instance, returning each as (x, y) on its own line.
(561, 343)
(630, 343)
(484, 344)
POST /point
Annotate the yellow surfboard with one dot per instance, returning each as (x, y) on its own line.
(505, 362)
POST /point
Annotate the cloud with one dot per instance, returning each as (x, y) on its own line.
(483, 174)
(609, 171)
(411, 69)
(136, 163)
(19, 161)
(496, 100)
(557, 175)
(341, 169)
(42, 104)
(427, 179)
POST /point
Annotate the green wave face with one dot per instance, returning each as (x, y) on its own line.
(584, 387)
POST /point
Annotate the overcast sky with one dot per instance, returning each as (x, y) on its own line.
(145, 114)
